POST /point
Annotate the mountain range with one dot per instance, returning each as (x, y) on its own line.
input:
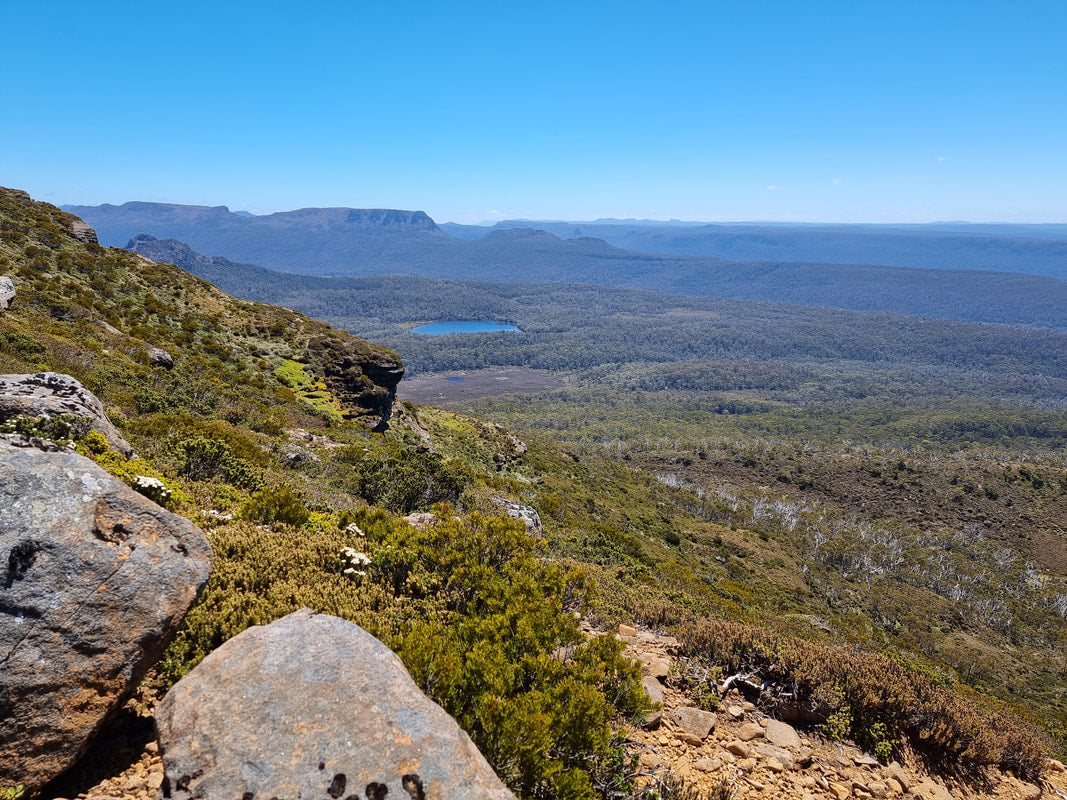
(338, 242)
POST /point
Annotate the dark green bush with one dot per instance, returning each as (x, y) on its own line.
(484, 624)
(202, 459)
(406, 482)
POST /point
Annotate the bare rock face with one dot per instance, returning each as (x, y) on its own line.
(40, 393)
(363, 376)
(7, 292)
(94, 581)
(83, 232)
(313, 706)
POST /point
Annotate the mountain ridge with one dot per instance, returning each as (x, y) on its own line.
(321, 244)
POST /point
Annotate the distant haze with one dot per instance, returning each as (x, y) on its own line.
(834, 111)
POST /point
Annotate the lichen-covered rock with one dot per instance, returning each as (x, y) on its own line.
(37, 393)
(313, 706)
(7, 292)
(94, 581)
(694, 721)
(783, 735)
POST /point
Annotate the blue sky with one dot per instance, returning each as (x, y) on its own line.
(745, 110)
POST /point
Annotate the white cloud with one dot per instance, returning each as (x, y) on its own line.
(772, 187)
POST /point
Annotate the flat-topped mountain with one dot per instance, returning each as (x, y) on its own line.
(307, 240)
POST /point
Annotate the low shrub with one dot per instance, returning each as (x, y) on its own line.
(276, 504)
(484, 624)
(873, 698)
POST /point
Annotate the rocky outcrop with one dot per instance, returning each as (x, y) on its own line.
(528, 514)
(362, 376)
(158, 357)
(7, 292)
(313, 706)
(35, 394)
(83, 232)
(95, 581)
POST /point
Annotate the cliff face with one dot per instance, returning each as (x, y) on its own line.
(100, 310)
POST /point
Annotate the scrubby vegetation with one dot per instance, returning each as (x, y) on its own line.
(759, 550)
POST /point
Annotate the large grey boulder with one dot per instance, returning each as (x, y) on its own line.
(313, 706)
(7, 292)
(40, 393)
(94, 581)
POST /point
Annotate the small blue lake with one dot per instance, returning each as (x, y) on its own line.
(463, 326)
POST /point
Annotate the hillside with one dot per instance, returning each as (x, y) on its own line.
(773, 417)
(325, 242)
(264, 431)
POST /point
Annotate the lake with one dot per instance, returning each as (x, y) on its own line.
(463, 326)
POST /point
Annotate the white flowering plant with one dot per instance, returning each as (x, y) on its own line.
(152, 488)
(354, 562)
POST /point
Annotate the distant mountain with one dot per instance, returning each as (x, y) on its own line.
(308, 240)
(246, 280)
(527, 255)
(1033, 249)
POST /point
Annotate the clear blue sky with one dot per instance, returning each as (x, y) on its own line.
(859, 110)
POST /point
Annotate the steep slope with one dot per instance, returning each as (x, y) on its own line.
(249, 430)
(97, 313)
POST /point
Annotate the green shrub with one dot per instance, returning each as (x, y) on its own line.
(276, 504)
(202, 459)
(484, 624)
(406, 482)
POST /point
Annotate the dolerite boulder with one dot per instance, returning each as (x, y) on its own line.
(7, 292)
(94, 581)
(83, 232)
(34, 394)
(528, 514)
(158, 357)
(313, 706)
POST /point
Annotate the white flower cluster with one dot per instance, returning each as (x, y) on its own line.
(216, 514)
(354, 559)
(152, 488)
(354, 528)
